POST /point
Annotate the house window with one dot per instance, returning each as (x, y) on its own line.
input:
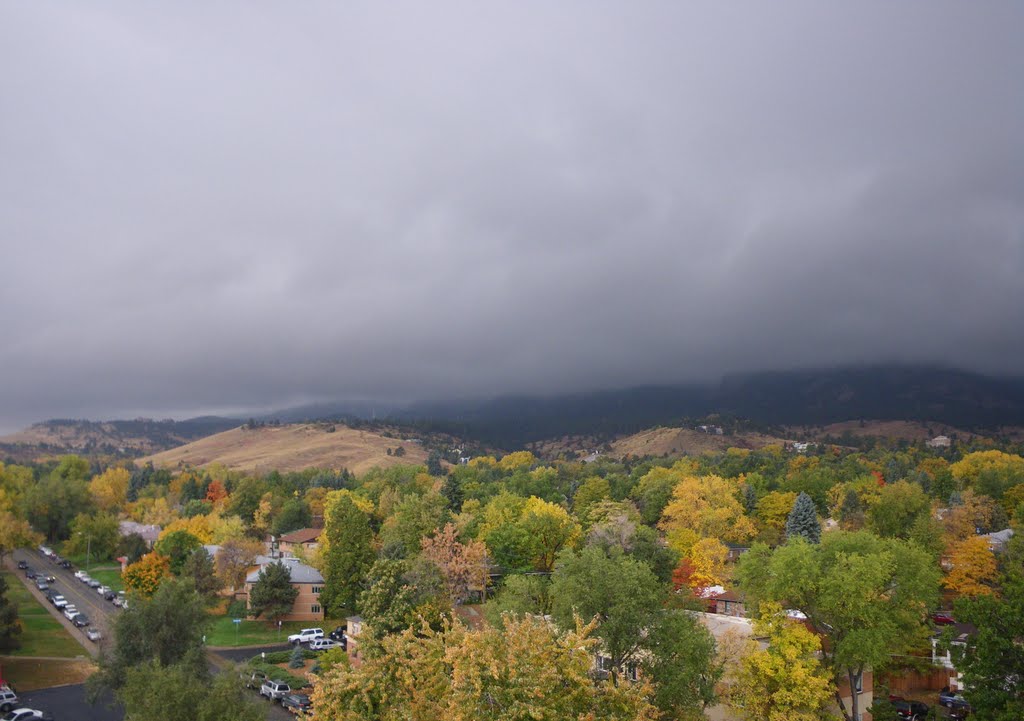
(316, 608)
(317, 589)
(858, 683)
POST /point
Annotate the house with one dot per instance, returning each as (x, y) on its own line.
(148, 532)
(729, 603)
(938, 442)
(306, 579)
(304, 541)
(353, 629)
(998, 541)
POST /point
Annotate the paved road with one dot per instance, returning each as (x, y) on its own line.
(67, 703)
(100, 612)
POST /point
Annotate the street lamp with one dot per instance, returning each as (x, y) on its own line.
(88, 548)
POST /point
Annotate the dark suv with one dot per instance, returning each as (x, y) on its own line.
(909, 710)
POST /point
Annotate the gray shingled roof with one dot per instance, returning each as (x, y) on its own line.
(300, 572)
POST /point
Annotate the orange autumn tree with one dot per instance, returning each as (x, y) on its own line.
(463, 566)
(145, 575)
(974, 568)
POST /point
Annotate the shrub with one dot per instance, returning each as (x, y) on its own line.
(237, 609)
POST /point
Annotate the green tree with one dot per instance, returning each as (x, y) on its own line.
(294, 515)
(53, 502)
(174, 693)
(96, 535)
(10, 627)
(621, 593)
(414, 517)
(803, 520)
(520, 595)
(388, 603)
(165, 630)
(868, 596)
(273, 594)
(177, 546)
(681, 663)
(993, 664)
(348, 553)
(200, 569)
(898, 505)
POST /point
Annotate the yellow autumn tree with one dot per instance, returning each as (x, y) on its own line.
(109, 490)
(772, 511)
(708, 558)
(970, 467)
(785, 681)
(705, 507)
(517, 460)
(550, 528)
(974, 568)
(145, 575)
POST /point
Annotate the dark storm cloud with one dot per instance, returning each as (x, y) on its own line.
(216, 206)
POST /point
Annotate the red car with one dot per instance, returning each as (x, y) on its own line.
(942, 619)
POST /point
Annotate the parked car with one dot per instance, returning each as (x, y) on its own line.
(109, 595)
(306, 635)
(57, 559)
(93, 635)
(274, 690)
(70, 611)
(117, 601)
(66, 564)
(26, 714)
(910, 710)
(22, 565)
(79, 573)
(297, 702)
(942, 619)
(8, 700)
(93, 583)
(103, 590)
(59, 601)
(41, 584)
(80, 620)
(338, 634)
(952, 700)
(52, 593)
(254, 680)
(323, 644)
(30, 572)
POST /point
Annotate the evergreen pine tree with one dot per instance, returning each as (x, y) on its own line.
(803, 520)
(749, 499)
(273, 593)
(298, 659)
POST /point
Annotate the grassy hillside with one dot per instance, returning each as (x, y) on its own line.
(121, 439)
(292, 448)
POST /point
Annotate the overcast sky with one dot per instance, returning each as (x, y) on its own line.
(216, 206)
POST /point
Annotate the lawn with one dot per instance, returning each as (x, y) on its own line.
(108, 576)
(29, 674)
(42, 634)
(252, 633)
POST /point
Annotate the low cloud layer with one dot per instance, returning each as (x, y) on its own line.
(232, 206)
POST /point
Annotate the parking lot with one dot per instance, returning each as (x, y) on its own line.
(99, 611)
